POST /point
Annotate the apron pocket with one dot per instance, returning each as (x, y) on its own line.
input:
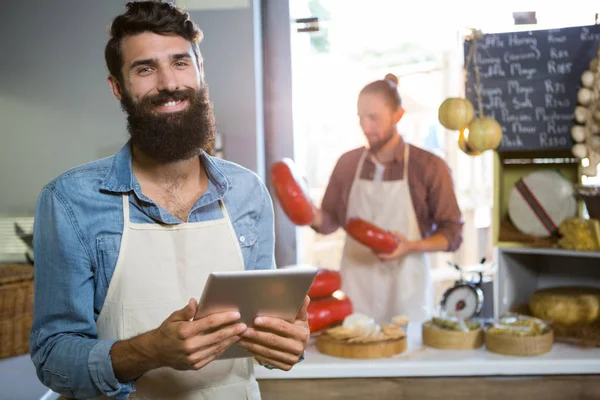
(219, 377)
(140, 318)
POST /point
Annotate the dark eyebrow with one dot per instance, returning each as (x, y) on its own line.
(147, 61)
(181, 56)
(152, 61)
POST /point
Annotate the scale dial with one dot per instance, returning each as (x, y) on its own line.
(462, 301)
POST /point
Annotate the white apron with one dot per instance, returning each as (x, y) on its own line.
(384, 289)
(160, 267)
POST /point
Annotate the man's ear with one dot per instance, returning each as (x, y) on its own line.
(115, 87)
(398, 115)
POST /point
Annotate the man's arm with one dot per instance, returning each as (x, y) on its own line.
(327, 219)
(177, 343)
(68, 357)
(266, 256)
(266, 232)
(446, 214)
(444, 209)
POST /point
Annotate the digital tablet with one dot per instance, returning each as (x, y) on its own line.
(277, 293)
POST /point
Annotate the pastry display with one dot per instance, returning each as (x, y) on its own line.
(454, 324)
(359, 336)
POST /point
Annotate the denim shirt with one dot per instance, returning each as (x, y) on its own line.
(77, 235)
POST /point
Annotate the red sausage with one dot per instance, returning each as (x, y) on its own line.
(326, 282)
(291, 192)
(371, 235)
(325, 312)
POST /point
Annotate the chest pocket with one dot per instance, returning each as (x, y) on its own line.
(247, 238)
(107, 247)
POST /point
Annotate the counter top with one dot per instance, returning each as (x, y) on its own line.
(421, 361)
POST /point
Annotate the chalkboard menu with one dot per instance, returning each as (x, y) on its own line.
(529, 83)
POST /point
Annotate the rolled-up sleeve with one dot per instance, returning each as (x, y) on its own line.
(266, 229)
(443, 206)
(66, 352)
(332, 205)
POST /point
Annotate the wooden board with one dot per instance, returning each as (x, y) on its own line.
(338, 348)
(561, 387)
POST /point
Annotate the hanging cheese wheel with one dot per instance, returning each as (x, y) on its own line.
(325, 284)
(585, 96)
(579, 150)
(455, 113)
(581, 114)
(291, 192)
(484, 134)
(462, 144)
(578, 133)
(325, 312)
(587, 79)
(371, 235)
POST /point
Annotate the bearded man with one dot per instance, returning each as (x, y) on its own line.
(124, 245)
(401, 188)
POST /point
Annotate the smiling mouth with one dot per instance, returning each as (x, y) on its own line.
(171, 106)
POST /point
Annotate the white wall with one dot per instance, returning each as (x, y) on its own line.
(56, 110)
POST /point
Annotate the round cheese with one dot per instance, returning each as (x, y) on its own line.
(566, 305)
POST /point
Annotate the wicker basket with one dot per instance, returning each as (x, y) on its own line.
(519, 345)
(16, 308)
(451, 340)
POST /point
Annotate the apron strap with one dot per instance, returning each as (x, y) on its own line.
(126, 221)
(406, 153)
(361, 161)
(224, 209)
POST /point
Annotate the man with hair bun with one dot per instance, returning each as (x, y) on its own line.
(402, 189)
(124, 245)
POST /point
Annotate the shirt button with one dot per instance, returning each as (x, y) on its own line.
(242, 239)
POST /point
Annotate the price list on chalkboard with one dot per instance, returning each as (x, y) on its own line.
(529, 83)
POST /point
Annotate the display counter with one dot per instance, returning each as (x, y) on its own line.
(421, 371)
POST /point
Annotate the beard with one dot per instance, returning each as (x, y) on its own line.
(171, 137)
(376, 146)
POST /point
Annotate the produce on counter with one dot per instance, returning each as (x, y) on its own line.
(325, 284)
(292, 192)
(453, 324)
(371, 235)
(566, 305)
(328, 311)
(519, 325)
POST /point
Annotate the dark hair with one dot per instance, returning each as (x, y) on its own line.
(148, 16)
(388, 88)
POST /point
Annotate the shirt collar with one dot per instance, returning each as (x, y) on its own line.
(398, 151)
(121, 179)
